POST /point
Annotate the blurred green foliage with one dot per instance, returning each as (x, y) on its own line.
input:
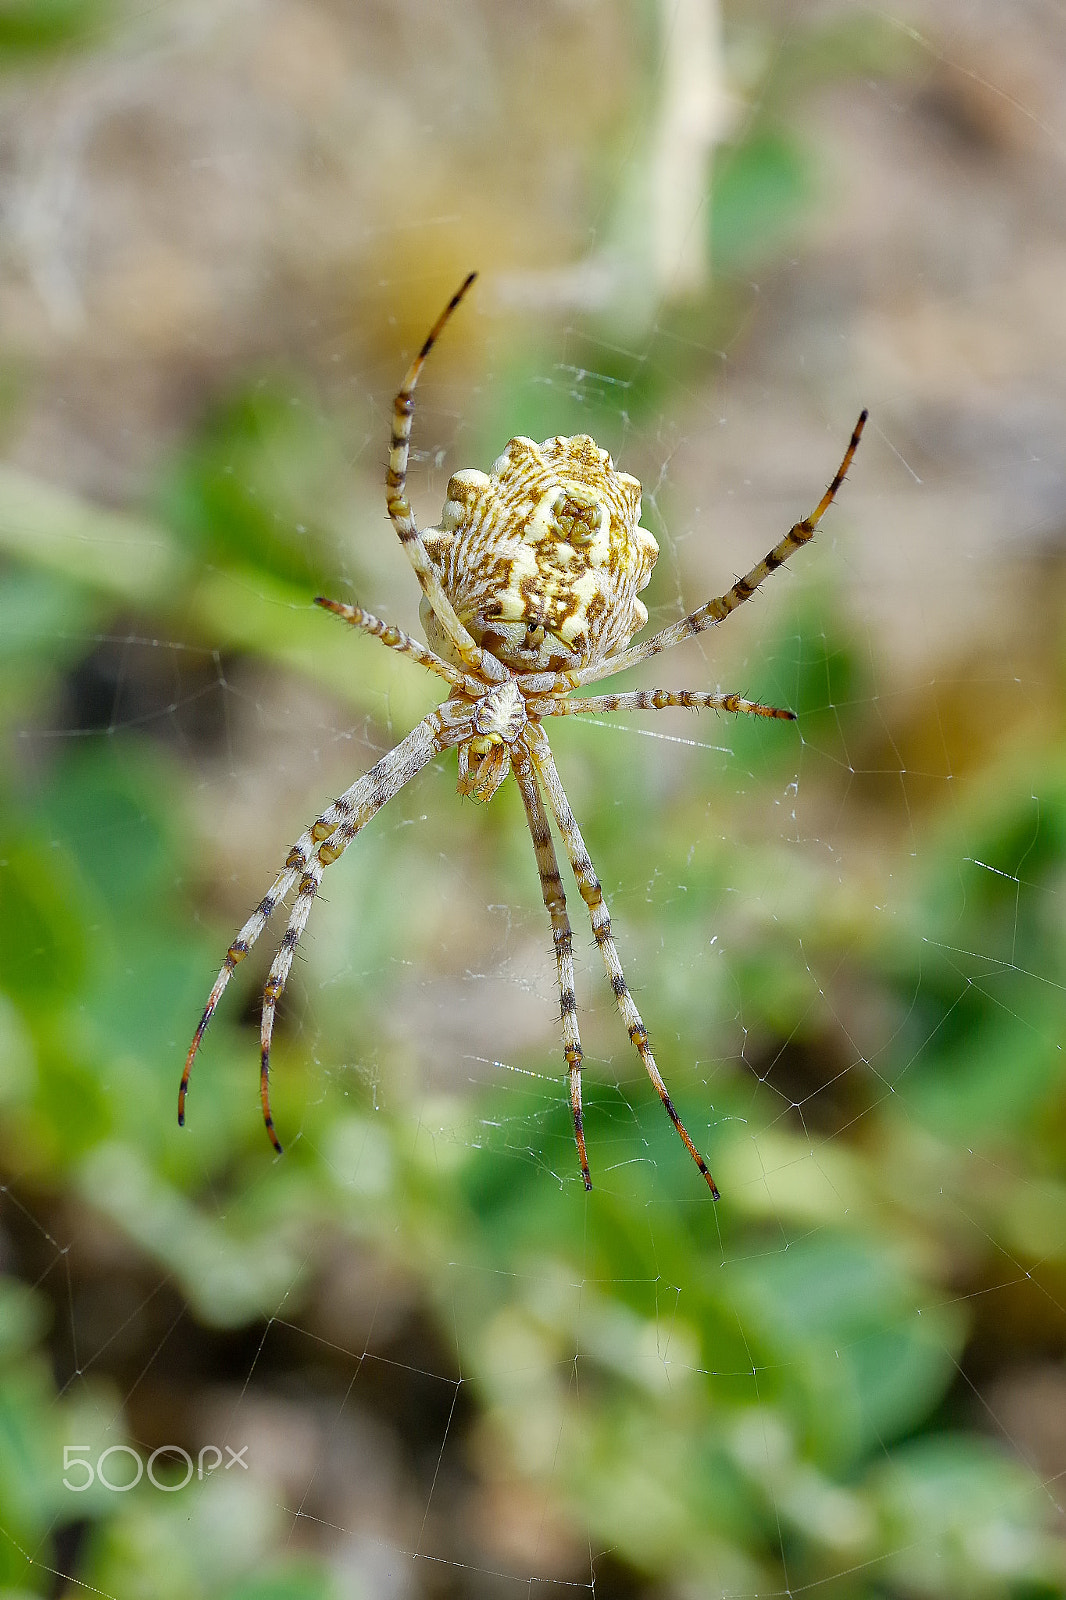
(242, 488)
(744, 1399)
(758, 1378)
(762, 190)
(39, 27)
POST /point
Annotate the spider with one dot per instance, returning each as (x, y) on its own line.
(529, 591)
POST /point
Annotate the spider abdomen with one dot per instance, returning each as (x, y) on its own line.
(543, 557)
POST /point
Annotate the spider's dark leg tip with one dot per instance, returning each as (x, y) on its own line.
(705, 1170)
(452, 304)
(864, 416)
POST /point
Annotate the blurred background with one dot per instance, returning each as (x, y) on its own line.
(420, 1360)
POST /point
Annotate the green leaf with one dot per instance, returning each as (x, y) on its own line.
(761, 189)
(42, 928)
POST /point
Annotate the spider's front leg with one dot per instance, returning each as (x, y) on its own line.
(315, 850)
(589, 886)
(551, 885)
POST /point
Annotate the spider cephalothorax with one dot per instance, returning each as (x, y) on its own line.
(529, 591)
(498, 718)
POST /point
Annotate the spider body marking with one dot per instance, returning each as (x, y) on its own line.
(529, 592)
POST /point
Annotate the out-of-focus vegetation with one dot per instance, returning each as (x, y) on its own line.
(858, 1003)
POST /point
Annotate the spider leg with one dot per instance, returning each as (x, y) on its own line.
(592, 894)
(551, 885)
(316, 849)
(654, 700)
(715, 610)
(396, 639)
(297, 859)
(399, 506)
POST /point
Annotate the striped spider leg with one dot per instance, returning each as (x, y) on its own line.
(529, 592)
(559, 702)
(551, 885)
(316, 849)
(589, 887)
(712, 612)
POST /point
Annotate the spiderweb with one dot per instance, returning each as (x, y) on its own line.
(412, 1358)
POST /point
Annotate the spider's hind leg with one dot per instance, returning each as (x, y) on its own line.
(395, 638)
(657, 700)
(716, 610)
(402, 517)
